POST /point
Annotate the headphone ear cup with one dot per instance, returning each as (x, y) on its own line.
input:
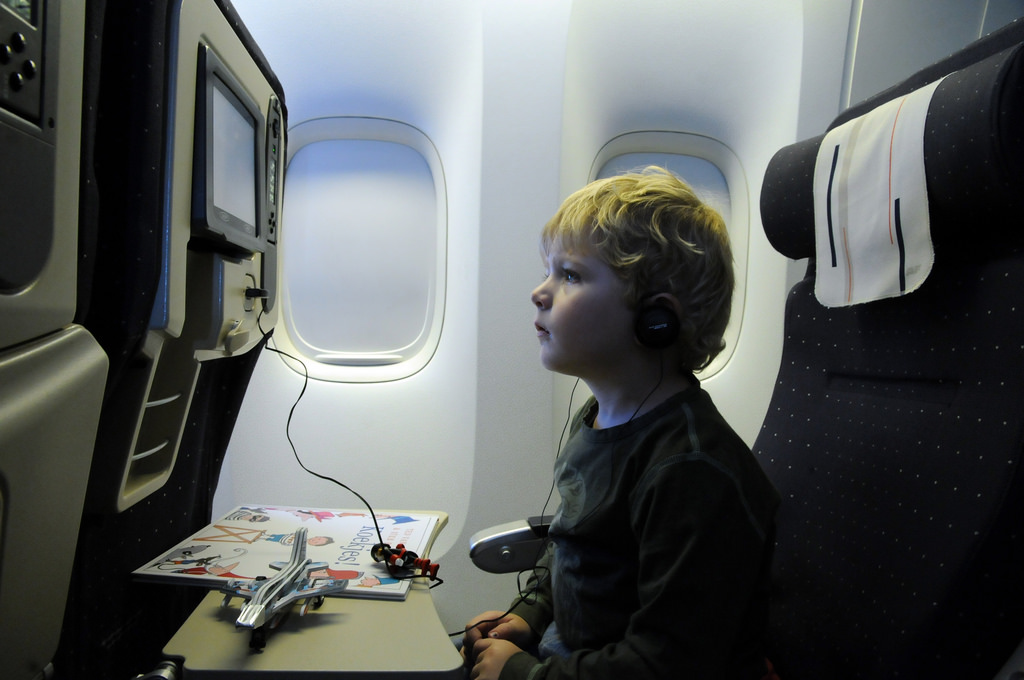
(657, 327)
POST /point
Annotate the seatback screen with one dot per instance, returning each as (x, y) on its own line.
(234, 160)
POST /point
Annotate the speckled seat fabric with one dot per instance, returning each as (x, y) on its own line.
(896, 428)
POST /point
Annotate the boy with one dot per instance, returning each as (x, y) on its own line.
(659, 558)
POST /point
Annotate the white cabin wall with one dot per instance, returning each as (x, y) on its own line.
(474, 433)
(825, 33)
(726, 71)
(471, 433)
(409, 443)
(518, 96)
(524, 56)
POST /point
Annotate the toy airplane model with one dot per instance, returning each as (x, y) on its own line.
(268, 599)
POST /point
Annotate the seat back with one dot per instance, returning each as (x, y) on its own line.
(896, 428)
(115, 626)
(52, 371)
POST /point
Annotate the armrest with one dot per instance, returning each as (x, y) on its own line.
(511, 547)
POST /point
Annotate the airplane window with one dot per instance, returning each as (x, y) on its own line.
(704, 176)
(715, 174)
(363, 250)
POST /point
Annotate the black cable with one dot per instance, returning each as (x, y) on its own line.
(524, 596)
(327, 478)
(661, 377)
(558, 451)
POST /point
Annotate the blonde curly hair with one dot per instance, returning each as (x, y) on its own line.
(654, 231)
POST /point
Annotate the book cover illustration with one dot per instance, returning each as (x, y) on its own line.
(243, 543)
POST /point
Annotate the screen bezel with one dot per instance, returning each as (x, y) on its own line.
(213, 224)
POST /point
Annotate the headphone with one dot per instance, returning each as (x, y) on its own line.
(657, 326)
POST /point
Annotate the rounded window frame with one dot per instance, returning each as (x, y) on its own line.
(370, 367)
(705, 148)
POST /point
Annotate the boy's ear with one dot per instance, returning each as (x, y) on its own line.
(657, 321)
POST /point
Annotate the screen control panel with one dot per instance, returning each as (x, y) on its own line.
(275, 175)
(275, 144)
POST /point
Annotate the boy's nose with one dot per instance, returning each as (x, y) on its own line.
(538, 297)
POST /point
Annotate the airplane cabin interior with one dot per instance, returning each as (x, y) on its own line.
(260, 255)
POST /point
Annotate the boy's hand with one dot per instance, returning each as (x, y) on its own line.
(491, 655)
(494, 625)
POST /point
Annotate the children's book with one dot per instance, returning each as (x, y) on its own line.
(243, 543)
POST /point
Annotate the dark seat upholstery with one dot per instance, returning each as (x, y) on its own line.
(896, 428)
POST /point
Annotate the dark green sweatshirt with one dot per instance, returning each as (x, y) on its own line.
(660, 551)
